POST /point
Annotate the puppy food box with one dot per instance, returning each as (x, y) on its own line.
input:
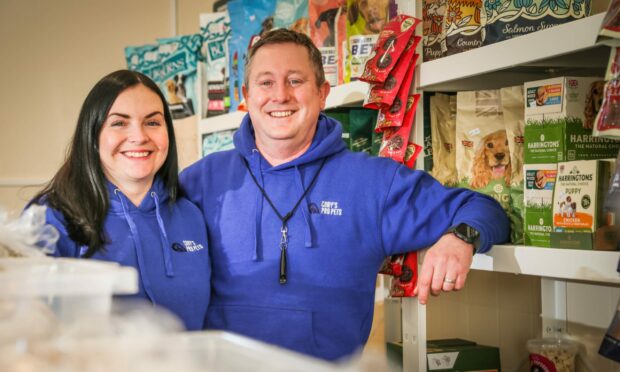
(555, 110)
(578, 198)
(538, 193)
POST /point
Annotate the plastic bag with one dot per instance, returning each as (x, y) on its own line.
(28, 235)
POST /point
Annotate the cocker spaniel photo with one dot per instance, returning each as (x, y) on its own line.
(491, 160)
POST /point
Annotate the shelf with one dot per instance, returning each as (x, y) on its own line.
(341, 95)
(567, 49)
(571, 264)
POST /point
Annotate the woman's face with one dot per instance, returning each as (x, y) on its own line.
(133, 142)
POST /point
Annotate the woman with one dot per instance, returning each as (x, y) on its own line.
(116, 197)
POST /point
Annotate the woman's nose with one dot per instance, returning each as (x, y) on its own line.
(138, 134)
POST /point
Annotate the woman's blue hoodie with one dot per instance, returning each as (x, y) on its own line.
(360, 210)
(166, 243)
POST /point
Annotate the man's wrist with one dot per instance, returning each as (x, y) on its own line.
(467, 234)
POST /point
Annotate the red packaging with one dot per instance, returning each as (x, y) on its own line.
(392, 41)
(395, 140)
(328, 31)
(382, 95)
(411, 154)
(608, 119)
(404, 284)
(394, 115)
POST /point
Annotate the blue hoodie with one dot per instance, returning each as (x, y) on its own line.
(167, 245)
(360, 210)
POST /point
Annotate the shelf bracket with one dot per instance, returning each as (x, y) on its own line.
(553, 301)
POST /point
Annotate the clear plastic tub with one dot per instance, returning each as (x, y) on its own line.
(552, 354)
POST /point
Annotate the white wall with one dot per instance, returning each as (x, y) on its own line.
(52, 54)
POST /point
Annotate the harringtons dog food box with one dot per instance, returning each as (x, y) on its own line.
(578, 198)
(538, 193)
(555, 110)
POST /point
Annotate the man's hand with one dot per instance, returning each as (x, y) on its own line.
(445, 267)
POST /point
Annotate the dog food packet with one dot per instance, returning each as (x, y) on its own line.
(428, 141)
(411, 154)
(395, 140)
(382, 95)
(393, 116)
(607, 122)
(514, 121)
(394, 39)
(506, 20)
(365, 19)
(434, 35)
(177, 75)
(443, 129)
(248, 20)
(463, 26)
(215, 31)
(292, 14)
(377, 139)
(142, 58)
(327, 26)
(482, 150)
(342, 115)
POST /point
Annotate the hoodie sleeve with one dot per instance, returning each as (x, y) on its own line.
(418, 210)
(65, 247)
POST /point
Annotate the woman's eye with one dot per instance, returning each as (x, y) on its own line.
(153, 124)
(117, 124)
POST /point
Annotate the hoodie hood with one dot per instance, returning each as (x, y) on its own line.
(147, 204)
(327, 141)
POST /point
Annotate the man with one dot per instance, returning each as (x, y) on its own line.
(298, 225)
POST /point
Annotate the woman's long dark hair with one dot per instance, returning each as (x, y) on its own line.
(78, 190)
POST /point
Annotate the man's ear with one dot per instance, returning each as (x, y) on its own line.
(323, 93)
(244, 91)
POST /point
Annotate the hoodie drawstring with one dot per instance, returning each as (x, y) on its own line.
(309, 241)
(165, 245)
(137, 242)
(256, 167)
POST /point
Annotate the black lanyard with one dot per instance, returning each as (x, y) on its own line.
(284, 228)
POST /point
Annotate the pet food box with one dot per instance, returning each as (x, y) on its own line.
(555, 110)
(453, 355)
(578, 199)
(539, 183)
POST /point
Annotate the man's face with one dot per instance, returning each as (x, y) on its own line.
(282, 96)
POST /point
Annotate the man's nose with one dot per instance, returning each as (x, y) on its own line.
(282, 92)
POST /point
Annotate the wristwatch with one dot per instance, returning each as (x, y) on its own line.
(467, 234)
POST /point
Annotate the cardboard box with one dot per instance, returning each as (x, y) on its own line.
(456, 355)
(538, 194)
(580, 190)
(554, 117)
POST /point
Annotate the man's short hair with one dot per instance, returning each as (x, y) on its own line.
(281, 36)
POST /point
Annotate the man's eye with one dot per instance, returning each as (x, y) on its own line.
(266, 83)
(295, 82)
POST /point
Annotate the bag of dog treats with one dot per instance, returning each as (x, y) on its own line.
(463, 25)
(176, 73)
(607, 122)
(394, 39)
(411, 154)
(365, 19)
(215, 31)
(443, 129)
(248, 20)
(514, 121)
(292, 14)
(610, 28)
(434, 41)
(482, 152)
(328, 31)
(519, 17)
(395, 140)
(394, 115)
(428, 141)
(382, 95)
(361, 124)
(342, 115)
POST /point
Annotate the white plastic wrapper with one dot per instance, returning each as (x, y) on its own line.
(28, 235)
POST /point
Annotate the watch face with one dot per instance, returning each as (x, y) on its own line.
(467, 232)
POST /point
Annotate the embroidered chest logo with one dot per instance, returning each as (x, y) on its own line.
(187, 246)
(328, 208)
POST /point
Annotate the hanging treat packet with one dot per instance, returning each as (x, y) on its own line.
(393, 115)
(176, 74)
(215, 31)
(365, 19)
(434, 35)
(382, 95)
(395, 140)
(411, 154)
(142, 58)
(327, 28)
(394, 39)
(404, 283)
(607, 122)
(610, 28)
